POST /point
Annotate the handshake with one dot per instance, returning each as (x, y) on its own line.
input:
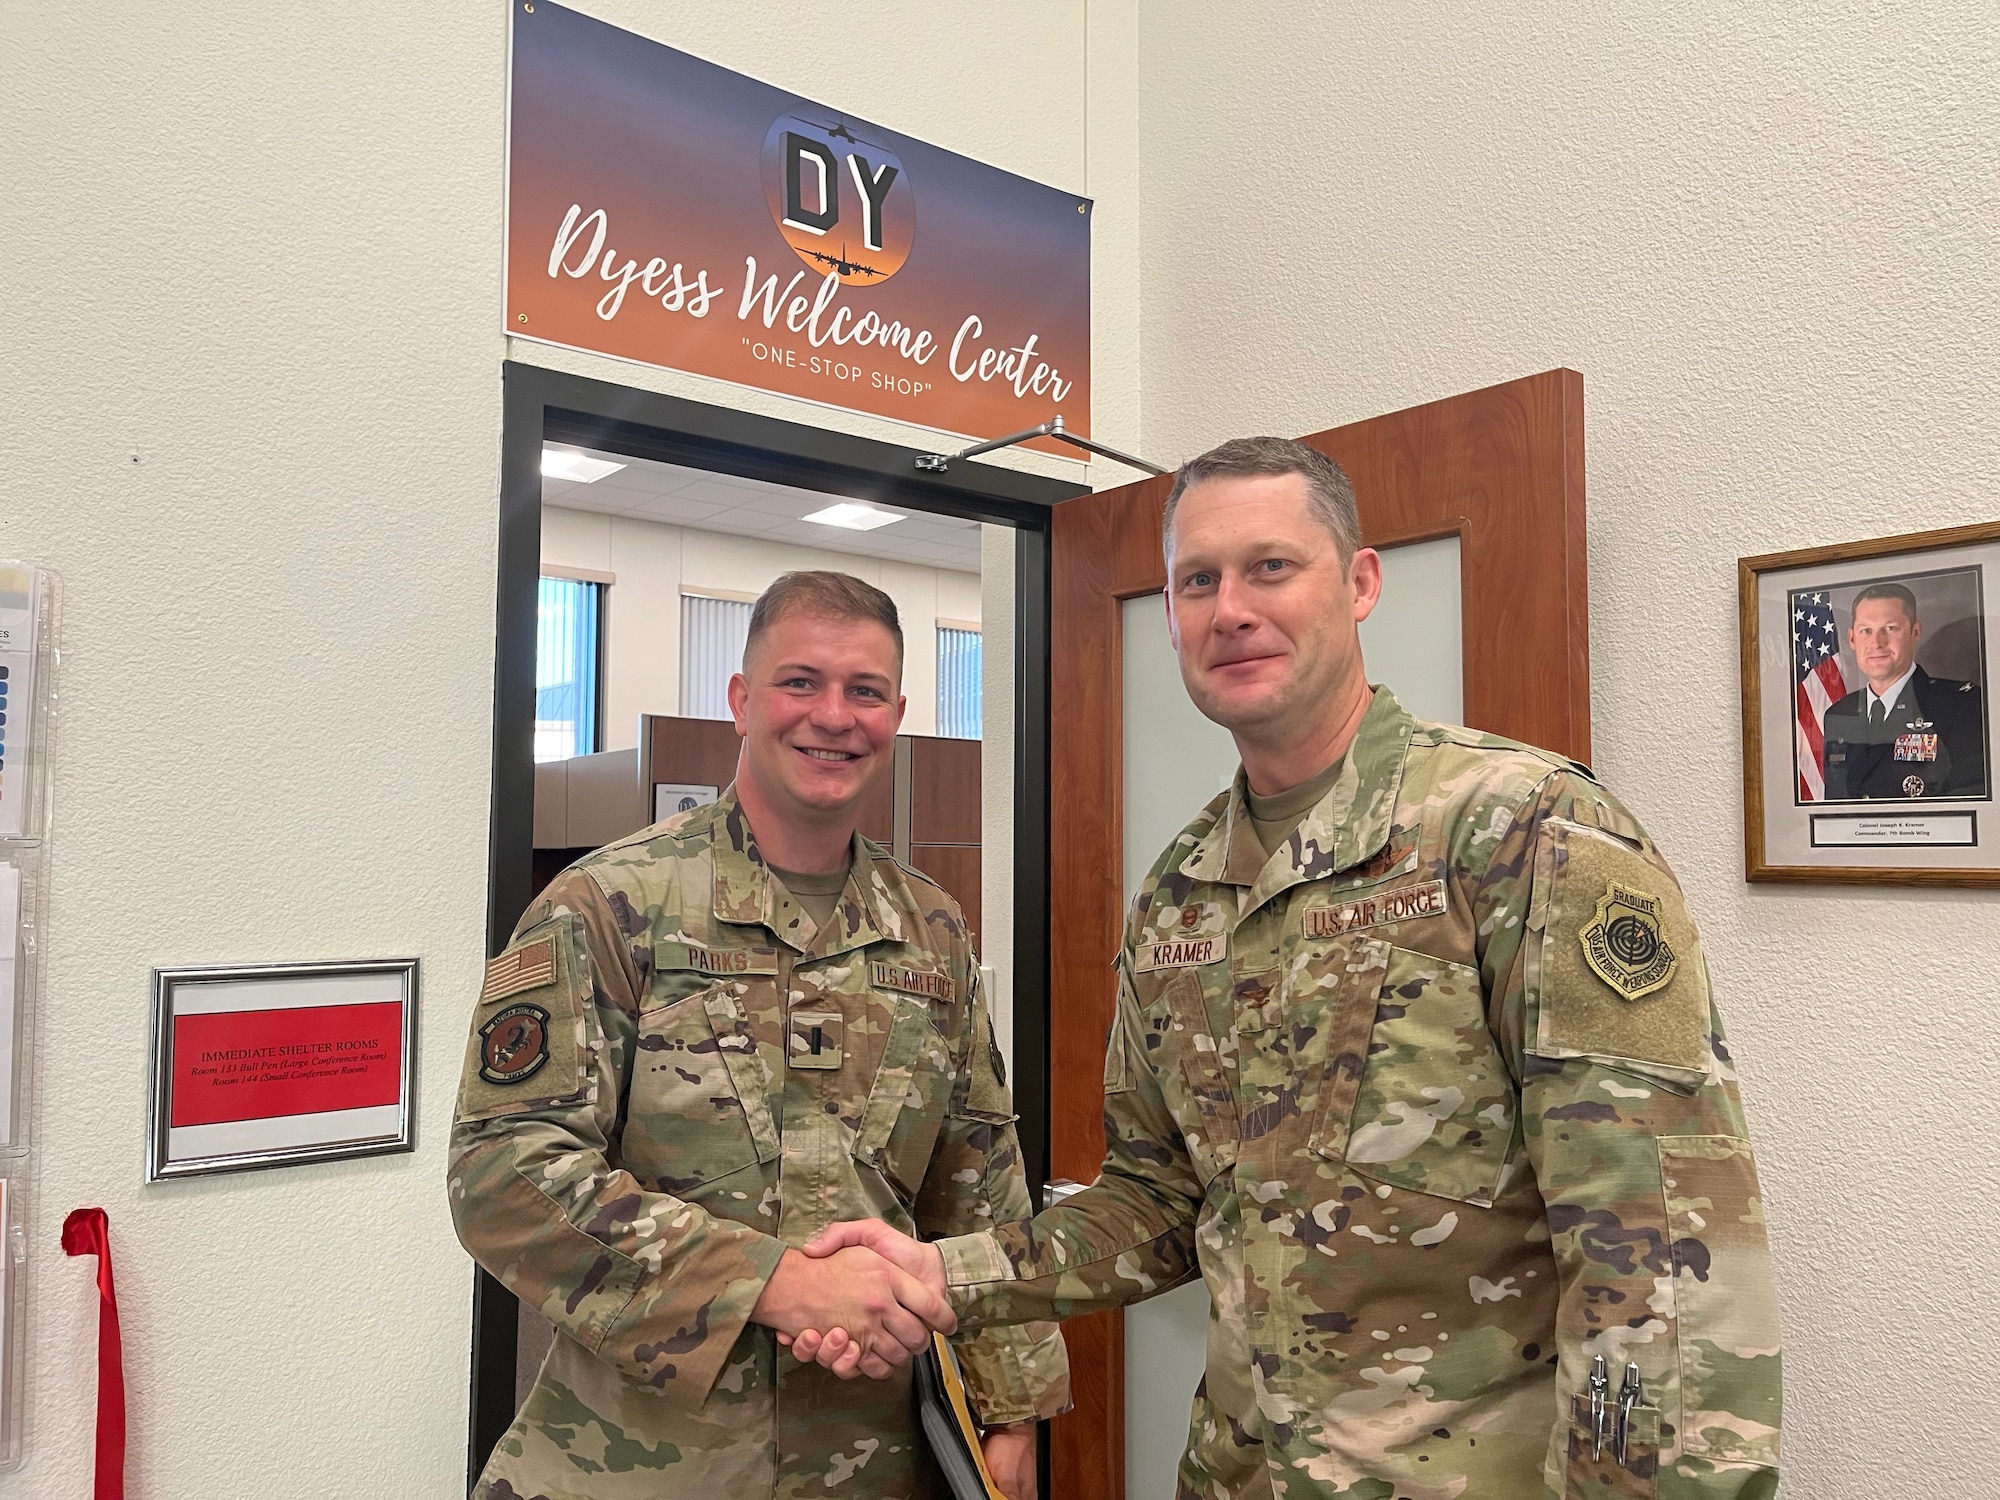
(860, 1298)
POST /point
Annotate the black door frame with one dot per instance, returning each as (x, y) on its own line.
(549, 405)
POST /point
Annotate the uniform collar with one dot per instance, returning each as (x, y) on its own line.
(876, 906)
(1350, 824)
(1899, 689)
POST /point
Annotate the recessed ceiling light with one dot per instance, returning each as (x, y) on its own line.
(854, 516)
(560, 463)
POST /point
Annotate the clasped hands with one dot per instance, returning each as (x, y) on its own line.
(859, 1299)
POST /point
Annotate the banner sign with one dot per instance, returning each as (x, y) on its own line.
(666, 210)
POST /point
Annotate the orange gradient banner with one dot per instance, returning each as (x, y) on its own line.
(665, 210)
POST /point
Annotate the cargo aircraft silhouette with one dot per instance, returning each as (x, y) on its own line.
(841, 263)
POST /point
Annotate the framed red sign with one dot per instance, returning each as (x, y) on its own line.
(264, 1065)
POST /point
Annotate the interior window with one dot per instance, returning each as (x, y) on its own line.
(567, 612)
(958, 683)
(713, 632)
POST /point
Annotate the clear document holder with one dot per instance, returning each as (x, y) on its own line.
(30, 622)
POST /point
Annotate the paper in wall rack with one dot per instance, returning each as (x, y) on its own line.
(29, 627)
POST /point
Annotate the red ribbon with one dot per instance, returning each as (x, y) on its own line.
(88, 1232)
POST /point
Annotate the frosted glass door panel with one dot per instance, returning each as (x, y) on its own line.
(1412, 642)
(1174, 761)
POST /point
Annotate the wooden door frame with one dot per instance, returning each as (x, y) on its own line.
(1421, 473)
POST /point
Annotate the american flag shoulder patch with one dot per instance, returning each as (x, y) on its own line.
(527, 967)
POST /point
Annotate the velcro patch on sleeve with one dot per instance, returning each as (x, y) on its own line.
(925, 982)
(1616, 965)
(526, 1049)
(527, 967)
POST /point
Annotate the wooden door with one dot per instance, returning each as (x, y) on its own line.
(1502, 468)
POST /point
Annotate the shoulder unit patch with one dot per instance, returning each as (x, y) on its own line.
(514, 1044)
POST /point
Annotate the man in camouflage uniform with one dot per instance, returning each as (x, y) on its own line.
(1415, 1064)
(704, 1044)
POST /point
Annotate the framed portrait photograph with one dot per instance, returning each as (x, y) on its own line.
(268, 1065)
(1867, 733)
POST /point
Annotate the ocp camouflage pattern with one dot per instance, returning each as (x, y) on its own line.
(1428, 1162)
(720, 1083)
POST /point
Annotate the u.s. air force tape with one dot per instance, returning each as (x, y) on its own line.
(928, 983)
(1399, 905)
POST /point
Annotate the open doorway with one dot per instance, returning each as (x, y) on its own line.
(635, 529)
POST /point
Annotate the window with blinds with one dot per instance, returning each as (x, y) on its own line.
(712, 635)
(567, 663)
(958, 681)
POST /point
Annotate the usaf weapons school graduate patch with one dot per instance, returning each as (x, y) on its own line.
(1624, 947)
(1613, 964)
(526, 1048)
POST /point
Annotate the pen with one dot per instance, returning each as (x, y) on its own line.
(1628, 1397)
(1600, 1388)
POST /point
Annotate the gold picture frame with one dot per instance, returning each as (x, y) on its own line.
(1868, 745)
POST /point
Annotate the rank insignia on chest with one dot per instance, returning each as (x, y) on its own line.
(514, 1044)
(812, 1039)
(1400, 905)
(1624, 946)
(1916, 747)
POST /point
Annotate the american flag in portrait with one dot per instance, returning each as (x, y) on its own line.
(1821, 684)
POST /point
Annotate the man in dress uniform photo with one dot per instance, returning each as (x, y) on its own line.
(1414, 1063)
(706, 1043)
(1904, 734)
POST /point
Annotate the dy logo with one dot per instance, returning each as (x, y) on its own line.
(842, 201)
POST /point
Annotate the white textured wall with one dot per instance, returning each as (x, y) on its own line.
(652, 563)
(252, 416)
(259, 248)
(1767, 236)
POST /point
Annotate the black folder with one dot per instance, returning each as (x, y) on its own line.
(946, 1418)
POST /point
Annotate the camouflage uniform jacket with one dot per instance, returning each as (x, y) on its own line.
(1435, 1102)
(670, 1079)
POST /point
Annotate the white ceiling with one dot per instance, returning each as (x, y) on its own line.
(751, 507)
